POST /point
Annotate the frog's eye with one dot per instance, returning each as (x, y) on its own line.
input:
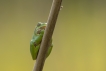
(39, 24)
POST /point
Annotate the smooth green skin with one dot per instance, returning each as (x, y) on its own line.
(36, 41)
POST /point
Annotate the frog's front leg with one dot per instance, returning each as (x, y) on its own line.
(37, 38)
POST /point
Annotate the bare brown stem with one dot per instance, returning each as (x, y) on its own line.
(47, 35)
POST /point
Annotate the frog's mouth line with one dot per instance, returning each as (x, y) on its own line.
(43, 27)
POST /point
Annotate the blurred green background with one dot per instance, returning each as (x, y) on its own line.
(79, 37)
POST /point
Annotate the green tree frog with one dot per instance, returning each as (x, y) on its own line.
(36, 41)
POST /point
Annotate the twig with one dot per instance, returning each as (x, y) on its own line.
(47, 35)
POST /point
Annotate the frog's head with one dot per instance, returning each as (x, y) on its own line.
(40, 27)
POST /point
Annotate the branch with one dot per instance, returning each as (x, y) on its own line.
(47, 35)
